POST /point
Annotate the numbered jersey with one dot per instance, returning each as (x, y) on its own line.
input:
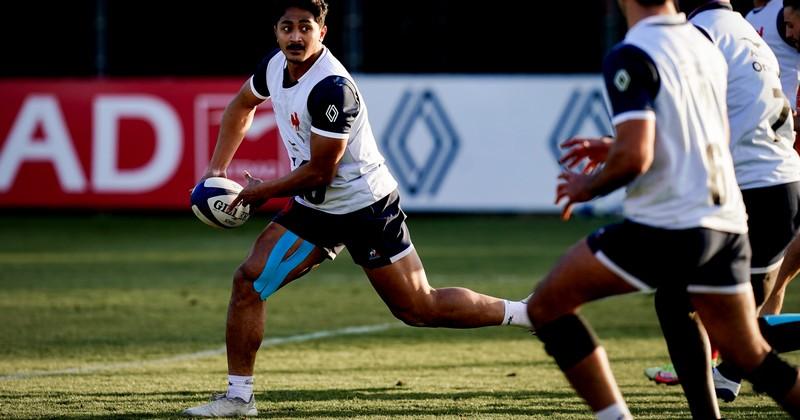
(666, 70)
(768, 22)
(761, 123)
(325, 101)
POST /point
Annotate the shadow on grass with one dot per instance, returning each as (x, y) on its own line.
(420, 366)
(377, 401)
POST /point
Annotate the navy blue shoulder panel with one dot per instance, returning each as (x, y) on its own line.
(260, 75)
(631, 78)
(333, 104)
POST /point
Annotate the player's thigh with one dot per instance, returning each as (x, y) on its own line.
(283, 254)
(401, 284)
(577, 278)
(722, 295)
(379, 241)
(730, 320)
(377, 236)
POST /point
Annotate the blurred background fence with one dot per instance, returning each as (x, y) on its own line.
(116, 104)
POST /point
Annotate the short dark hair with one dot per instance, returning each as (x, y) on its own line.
(688, 6)
(794, 4)
(318, 8)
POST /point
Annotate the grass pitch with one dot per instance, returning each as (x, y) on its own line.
(122, 317)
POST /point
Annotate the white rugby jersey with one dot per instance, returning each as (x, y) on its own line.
(768, 22)
(327, 102)
(667, 70)
(761, 123)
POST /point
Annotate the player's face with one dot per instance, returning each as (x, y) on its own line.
(792, 18)
(299, 35)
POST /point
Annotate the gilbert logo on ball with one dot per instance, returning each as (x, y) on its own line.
(211, 200)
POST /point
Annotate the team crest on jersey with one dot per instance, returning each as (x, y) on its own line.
(373, 254)
(332, 113)
(622, 80)
(295, 121)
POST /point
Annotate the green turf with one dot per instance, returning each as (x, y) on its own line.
(114, 297)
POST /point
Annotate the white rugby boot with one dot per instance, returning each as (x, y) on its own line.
(222, 406)
(726, 389)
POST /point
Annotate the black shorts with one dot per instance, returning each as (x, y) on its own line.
(773, 219)
(375, 236)
(698, 260)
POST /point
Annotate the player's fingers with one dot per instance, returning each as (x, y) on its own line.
(561, 192)
(571, 142)
(569, 159)
(566, 212)
(566, 176)
(235, 203)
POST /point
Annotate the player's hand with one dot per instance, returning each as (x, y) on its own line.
(574, 187)
(251, 195)
(209, 174)
(594, 150)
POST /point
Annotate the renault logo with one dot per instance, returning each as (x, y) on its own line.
(420, 142)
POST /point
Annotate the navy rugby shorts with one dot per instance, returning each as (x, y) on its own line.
(375, 235)
(773, 219)
(697, 260)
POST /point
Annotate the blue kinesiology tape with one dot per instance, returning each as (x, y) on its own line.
(781, 319)
(276, 270)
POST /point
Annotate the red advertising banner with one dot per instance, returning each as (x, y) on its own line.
(122, 144)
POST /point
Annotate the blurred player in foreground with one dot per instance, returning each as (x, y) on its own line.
(343, 196)
(784, 39)
(685, 221)
(767, 171)
(778, 22)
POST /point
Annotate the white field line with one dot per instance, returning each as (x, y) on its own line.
(269, 342)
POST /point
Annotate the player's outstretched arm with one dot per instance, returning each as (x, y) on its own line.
(236, 121)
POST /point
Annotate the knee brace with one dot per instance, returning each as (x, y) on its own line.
(568, 340)
(773, 376)
(276, 269)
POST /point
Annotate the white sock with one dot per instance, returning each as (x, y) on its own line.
(618, 411)
(240, 387)
(516, 314)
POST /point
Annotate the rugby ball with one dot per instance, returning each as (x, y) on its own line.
(211, 199)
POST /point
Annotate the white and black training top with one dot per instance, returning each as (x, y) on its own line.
(768, 22)
(325, 101)
(761, 123)
(668, 71)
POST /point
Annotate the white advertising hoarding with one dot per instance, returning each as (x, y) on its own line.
(482, 143)
(454, 142)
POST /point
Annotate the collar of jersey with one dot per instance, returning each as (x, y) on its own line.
(713, 5)
(297, 82)
(676, 19)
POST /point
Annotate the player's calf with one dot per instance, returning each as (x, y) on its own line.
(776, 378)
